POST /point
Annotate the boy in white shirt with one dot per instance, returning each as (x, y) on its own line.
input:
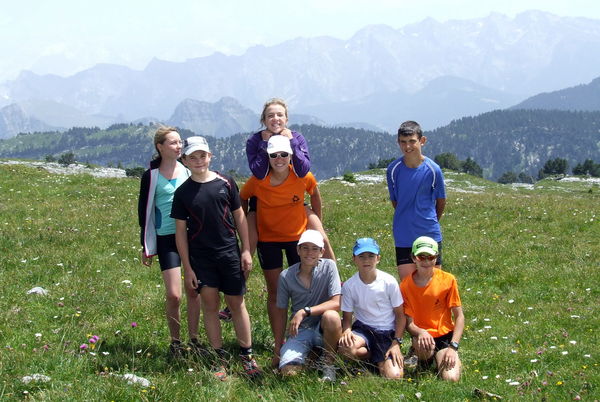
(374, 297)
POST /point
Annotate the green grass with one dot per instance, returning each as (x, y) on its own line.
(527, 261)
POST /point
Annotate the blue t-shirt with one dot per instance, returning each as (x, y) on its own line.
(415, 191)
(163, 199)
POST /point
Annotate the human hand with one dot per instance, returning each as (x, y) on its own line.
(425, 341)
(191, 282)
(347, 339)
(286, 132)
(147, 261)
(449, 359)
(295, 322)
(395, 354)
(246, 260)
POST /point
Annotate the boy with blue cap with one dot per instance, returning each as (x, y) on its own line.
(374, 297)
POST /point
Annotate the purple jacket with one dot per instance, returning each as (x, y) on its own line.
(258, 159)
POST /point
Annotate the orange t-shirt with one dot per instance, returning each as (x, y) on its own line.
(280, 209)
(429, 306)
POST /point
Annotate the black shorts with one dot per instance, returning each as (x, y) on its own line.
(403, 255)
(222, 271)
(271, 257)
(442, 342)
(252, 204)
(378, 341)
(166, 250)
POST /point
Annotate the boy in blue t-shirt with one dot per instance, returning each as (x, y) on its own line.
(418, 195)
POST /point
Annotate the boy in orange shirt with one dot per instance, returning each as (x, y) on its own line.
(282, 217)
(431, 301)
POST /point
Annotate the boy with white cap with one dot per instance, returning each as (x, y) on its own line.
(207, 212)
(431, 300)
(313, 287)
(374, 298)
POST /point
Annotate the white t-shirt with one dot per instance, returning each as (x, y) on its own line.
(373, 304)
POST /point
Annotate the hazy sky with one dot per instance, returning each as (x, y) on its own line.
(65, 36)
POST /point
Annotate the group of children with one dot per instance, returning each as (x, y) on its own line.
(209, 214)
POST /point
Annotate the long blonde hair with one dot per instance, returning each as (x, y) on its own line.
(272, 101)
(160, 137)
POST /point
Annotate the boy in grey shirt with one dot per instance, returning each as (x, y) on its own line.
(313, 286)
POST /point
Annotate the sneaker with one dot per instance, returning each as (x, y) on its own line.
(411, 360)
(328, 372)
(219, 372)
(225, 315)
(176, 350)
(250, 366)
(196, 348)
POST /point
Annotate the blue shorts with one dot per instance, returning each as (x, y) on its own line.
(166, 250)
(270, 254)
(295, 350)
(403, 255)
(378, 341)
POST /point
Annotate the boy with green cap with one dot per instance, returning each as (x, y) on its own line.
(433, 311)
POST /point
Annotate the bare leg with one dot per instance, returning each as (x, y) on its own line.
(448, 374)
(388, 369)
(241, 320)
(406, 269)
(172, 281)
(358, 351)
(271, 278)
(210, 308)
(331, 324)
(193, 312)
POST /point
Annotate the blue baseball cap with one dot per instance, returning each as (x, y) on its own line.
(365, 244)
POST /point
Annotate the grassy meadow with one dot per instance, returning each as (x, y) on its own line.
(527, 261)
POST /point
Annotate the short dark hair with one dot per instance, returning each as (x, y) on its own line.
(409, 128)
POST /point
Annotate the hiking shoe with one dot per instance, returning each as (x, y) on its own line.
(225, 315)
(411, 360)
(250, 366)
(196, 348)
(176, 350)
(328, 373)
(219, 372)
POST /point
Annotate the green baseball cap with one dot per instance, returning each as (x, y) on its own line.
(425, 245)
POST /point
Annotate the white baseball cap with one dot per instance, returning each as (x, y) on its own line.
(279, 143)
(312, 236)
(193, 144)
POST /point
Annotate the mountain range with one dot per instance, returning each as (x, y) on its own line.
(432, 71)
(580, 97)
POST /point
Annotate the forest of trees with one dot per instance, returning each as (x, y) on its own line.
(507, 145)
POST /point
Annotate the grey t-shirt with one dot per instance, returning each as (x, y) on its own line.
(325, 284)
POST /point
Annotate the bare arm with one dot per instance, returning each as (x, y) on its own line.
(242, 229)
(395, 350)
(316, 203)
(347, 338)
(332, 304)
(279, 321)
(181, 241)
(424, 339)
(459, 323)
(440, 205)
(450, 355)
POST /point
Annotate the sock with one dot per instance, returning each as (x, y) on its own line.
(245, 351)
